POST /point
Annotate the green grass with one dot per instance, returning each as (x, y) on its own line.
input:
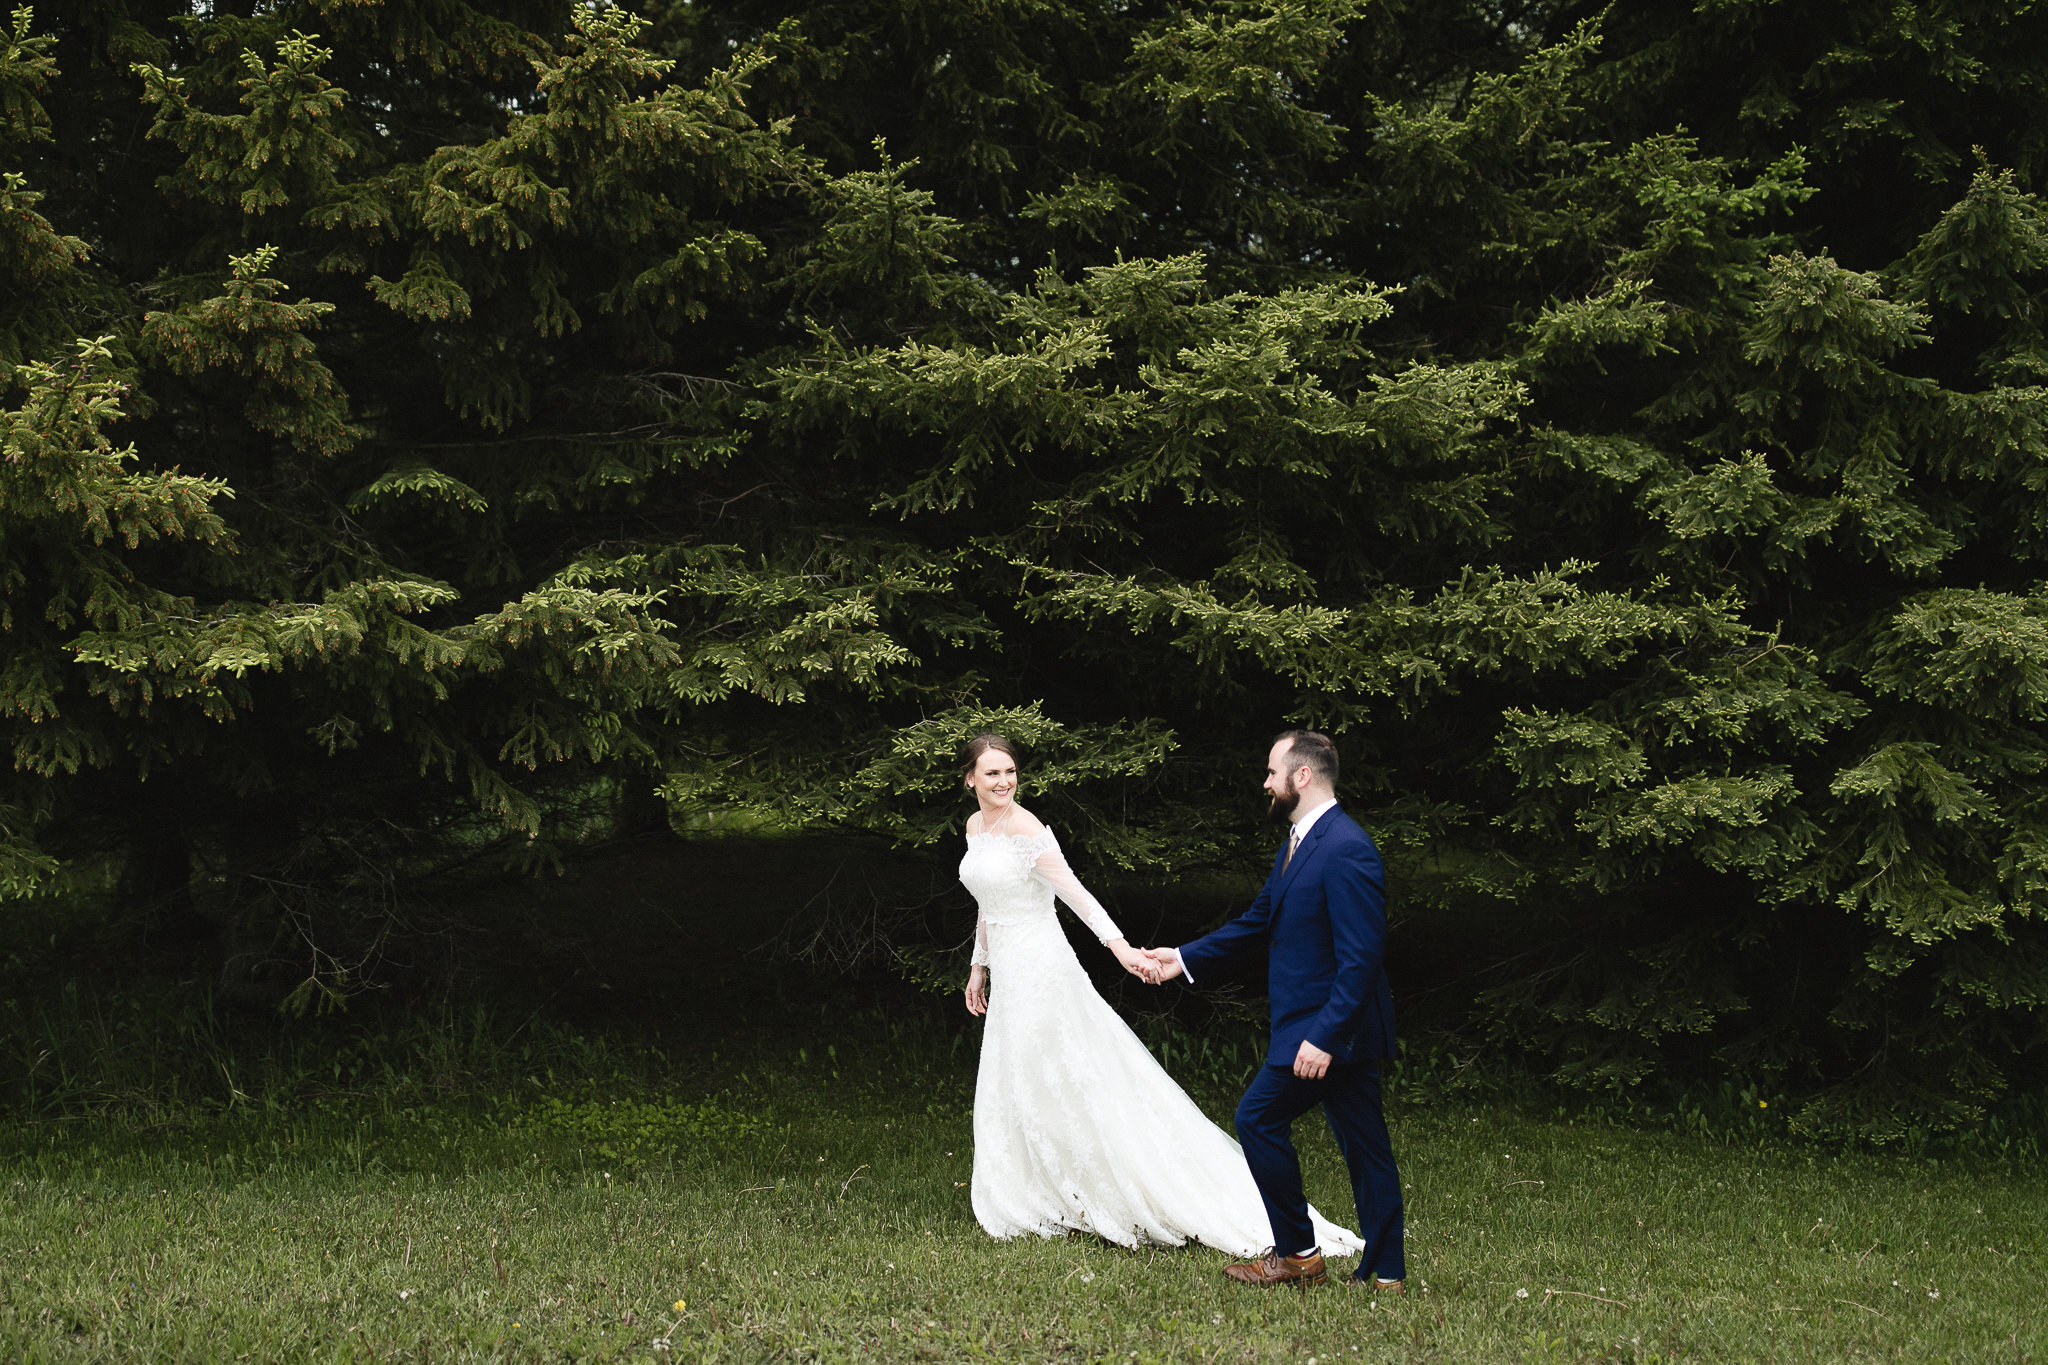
(806, 1215)
(655, 1113)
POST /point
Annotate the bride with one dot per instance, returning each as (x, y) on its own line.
(1075, 1125)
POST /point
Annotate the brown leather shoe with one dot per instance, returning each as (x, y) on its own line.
(1275, 1269)
(1379, 1286)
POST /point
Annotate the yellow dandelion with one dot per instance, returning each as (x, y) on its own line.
(678, 1305)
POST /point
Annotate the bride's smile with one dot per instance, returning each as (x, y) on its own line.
(994, 784)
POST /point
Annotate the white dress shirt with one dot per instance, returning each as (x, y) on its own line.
(1300, 829)
(1295, 834)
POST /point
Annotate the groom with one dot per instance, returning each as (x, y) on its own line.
(1322, 917)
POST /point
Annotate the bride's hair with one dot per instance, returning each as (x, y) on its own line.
(981, 744)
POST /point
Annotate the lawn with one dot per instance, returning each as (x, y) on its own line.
(678, 1117)
(817, 1209)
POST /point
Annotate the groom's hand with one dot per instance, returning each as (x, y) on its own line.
(1165, 964)
(1311, 1061)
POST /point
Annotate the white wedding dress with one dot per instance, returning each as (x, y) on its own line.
(1075, 1125)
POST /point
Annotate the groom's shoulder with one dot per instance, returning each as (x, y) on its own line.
(1348, 831)
(1344, 826)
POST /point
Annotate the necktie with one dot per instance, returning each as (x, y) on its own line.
(1293, 842)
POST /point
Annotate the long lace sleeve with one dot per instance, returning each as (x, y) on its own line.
(980, 958)
(1051, 866)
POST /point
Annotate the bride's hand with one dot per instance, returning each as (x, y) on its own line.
(977, 990)
(1134, 962)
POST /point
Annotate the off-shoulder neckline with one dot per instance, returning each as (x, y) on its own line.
(999, 834)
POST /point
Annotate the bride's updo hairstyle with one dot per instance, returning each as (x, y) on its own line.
(971, 753)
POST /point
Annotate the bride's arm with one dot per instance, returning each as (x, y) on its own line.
(977, 966)
(977, 970)
(1051, 865)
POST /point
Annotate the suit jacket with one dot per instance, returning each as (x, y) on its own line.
(1323, 922)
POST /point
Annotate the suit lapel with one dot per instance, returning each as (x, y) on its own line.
(1308, 846)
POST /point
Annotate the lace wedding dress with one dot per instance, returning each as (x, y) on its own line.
(1075, 1125)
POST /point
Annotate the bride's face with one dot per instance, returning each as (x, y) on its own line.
(994, 780)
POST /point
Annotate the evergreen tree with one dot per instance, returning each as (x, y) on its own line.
(1667, 573)
(442, 393)
(1621, 427)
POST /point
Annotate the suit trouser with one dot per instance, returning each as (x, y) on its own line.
(1350, 1096)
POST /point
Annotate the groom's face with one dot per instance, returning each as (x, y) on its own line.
(1283, 783)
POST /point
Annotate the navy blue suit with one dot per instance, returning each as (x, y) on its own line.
(1322, 919)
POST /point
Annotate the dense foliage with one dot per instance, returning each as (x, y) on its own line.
(1623, 427)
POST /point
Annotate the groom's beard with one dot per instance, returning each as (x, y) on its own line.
(1281, 812)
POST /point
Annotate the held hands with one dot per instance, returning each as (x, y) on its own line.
(1133, 960)
(1150, 965)
(1161, 965)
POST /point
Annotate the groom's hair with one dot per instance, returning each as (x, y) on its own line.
(1313, 750)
